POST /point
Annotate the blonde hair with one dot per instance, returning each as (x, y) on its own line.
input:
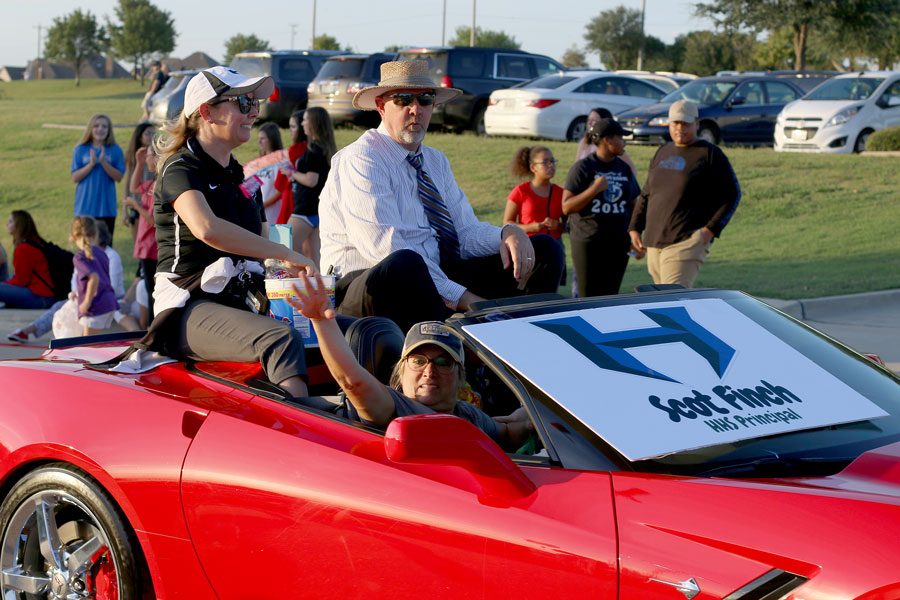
(175, 134)
(88, 135)
(84, 234)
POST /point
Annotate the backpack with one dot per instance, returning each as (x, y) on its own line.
(59, 261)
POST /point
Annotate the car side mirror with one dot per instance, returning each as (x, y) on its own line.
(451, 441)
(737, 101)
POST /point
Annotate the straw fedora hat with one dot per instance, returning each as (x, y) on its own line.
(400, 75)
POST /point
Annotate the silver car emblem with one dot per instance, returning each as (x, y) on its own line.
(688, 587)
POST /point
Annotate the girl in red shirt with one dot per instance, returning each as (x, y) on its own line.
(535, 205)
(283, 180)
(30, 286)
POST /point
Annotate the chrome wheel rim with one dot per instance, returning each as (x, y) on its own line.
(53, 547)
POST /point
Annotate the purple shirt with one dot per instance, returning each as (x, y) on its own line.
(105, 300)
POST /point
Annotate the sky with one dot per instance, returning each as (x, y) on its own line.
(541, 26)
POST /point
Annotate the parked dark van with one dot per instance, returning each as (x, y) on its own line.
(477, 72)
(292, 71)
(339, 80)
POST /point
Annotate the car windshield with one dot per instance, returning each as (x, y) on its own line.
(550, 82)
(252, 66)
(702, 92)
(749, 351)
(855, 88)
(340, 69)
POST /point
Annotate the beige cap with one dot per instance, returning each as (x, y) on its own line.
(684, 111)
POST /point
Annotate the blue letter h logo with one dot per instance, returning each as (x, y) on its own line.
(607, 350)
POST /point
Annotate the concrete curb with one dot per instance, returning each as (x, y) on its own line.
(817, 309)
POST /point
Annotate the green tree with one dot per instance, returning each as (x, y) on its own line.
(75, 38)
(484, 38)
(706, 52)
(801, 16)
(616, 36)
(243, 43)
(327, 42)
(658, 55)
(143, 30)
(573, 58)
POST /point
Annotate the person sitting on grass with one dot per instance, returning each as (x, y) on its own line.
(426, 379)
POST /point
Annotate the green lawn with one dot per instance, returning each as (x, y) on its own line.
(808, 225)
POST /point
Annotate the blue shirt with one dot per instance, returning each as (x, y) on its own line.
(95, 195)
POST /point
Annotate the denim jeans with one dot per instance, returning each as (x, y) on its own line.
(15, 296)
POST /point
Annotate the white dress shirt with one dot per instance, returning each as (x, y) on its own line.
(370, 208)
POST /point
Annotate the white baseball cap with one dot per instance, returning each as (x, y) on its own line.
(211, 83)
(684, 111)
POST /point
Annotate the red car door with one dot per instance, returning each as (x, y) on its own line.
(281, 502)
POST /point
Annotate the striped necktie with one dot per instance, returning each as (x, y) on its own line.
(438, 216)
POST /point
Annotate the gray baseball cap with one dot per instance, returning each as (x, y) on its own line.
(433, 333)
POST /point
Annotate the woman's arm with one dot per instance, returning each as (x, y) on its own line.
(89, 292)
(114, 173)
(572, 203)
(308, 179)
(79, 174)
(192, 208)
(368, 395)
(137, 174)
(511, 217)
(276, 195)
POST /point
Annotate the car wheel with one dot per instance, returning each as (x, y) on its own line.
(861, 139)
(478, 122)
(708, 133)
(64, 538)
(577, 129)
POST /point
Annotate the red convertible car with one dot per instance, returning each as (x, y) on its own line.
(688, 444)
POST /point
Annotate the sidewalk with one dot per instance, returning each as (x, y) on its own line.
(868, 322)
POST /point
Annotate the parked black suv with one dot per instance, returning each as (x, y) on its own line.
(292, 71)
(477, 72)
(339, 80)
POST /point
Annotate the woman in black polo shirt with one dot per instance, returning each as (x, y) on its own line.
(209, 298)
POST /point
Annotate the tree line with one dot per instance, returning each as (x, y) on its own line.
(749, 35)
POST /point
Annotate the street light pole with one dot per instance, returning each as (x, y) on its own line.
(312, 44)
(472, 31)
(640, 65)
(444, 25)
(40, 65)
(293, 27)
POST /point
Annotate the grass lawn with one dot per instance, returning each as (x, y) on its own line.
(808, 225)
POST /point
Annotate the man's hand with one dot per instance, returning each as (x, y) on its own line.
(636, 244)
(515, 246)
(465, 301)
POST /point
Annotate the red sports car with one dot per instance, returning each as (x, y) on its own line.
(688, 444)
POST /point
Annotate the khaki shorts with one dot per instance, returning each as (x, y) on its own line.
(679, 263)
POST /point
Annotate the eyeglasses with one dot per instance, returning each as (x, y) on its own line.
(245, 102)
(547, 163)
(406, 98)
(443, 363)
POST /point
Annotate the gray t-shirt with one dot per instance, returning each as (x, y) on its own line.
(404, 407)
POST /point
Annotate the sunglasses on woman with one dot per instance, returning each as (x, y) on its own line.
(245, 102)
(406, 98)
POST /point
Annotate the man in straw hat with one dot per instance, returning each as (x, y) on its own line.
(690, 195)
(400, 232)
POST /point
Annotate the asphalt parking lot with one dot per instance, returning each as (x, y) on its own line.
(868, 323)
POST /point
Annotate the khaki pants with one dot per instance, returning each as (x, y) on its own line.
(680, 262)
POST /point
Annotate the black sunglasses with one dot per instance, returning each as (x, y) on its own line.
(406, 98)
(245, 102)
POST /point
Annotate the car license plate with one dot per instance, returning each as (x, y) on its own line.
(799, 134)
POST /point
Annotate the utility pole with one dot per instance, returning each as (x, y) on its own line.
(312, 43)
(293, 27)
(444, 26)
(640, 65)
(40, 64)
(472, 31)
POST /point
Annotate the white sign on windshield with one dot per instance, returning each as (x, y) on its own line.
(653, 379)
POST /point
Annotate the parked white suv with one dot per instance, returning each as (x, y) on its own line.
(838, 115)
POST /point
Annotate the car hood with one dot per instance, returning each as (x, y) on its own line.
(727, 533)
(817, 108)
(647, 111)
